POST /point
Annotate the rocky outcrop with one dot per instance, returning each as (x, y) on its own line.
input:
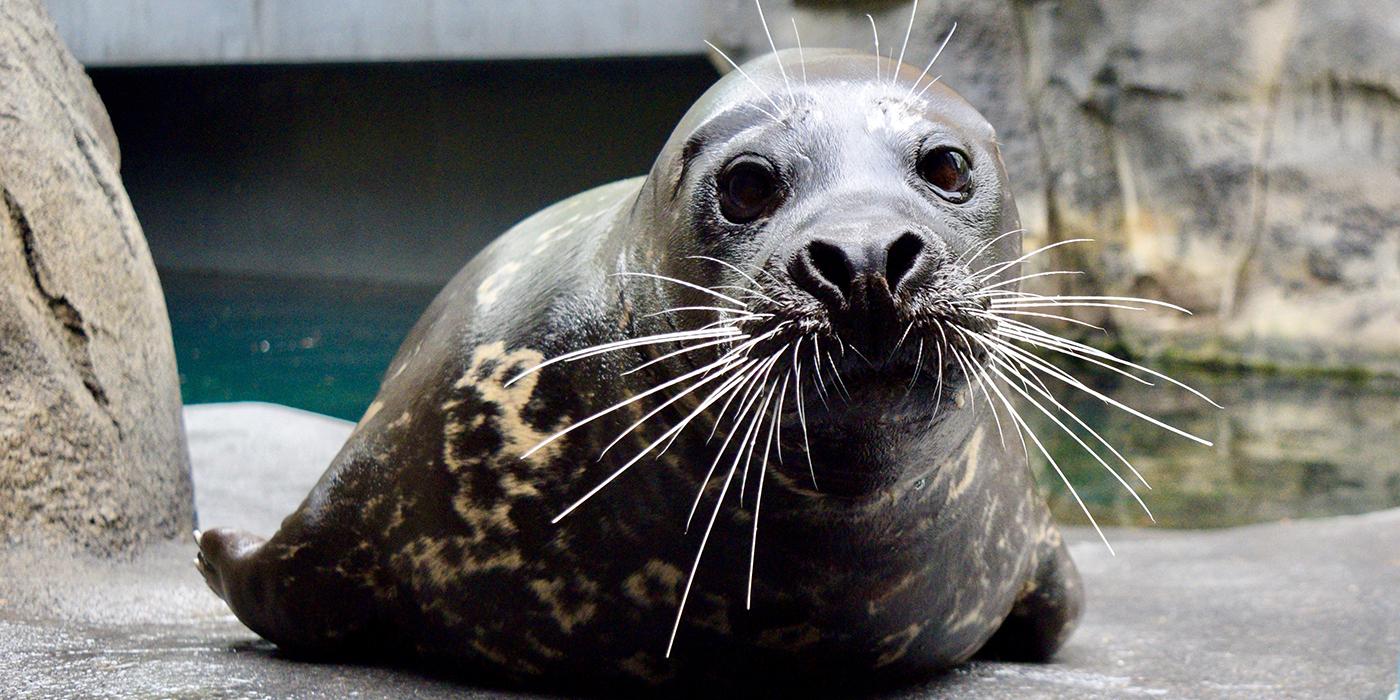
(1238, 158)
(92, 450)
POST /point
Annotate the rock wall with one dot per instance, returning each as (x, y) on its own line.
(92, 448)
(1236, 157)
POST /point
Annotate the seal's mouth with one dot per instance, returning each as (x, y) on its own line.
(901, 349)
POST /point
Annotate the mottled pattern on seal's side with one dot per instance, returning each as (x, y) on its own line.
(431, 535)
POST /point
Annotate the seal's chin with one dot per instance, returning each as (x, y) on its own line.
(862, 431)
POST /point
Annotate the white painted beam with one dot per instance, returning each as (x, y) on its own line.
(192, 32)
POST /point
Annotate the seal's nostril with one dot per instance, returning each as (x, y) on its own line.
(832, 265)
(901, 257)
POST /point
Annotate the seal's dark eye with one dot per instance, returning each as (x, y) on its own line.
(748, 188)
(948, 171)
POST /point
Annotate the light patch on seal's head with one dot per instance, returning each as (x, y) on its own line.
(891, 116)
(490, 288)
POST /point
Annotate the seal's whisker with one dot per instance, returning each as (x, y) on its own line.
(679, 426)
(1032, 276)
(1005, 295)
(730, 333)
(996, 367)
(683, 283)
(991, 270)
(862, 356)
(938, 389)
(676, 353)
(717, 309)
(914, 376)
(765, 271)
(796, 370)
(730, 386)
(876, 32)
(752, 374)
(1066, 378)
(781, 69)
(907, 31)
(1091, 300)
(723, 361)
(752, 437)
(930, 84)
(690, 580)
(728, 322)
(1028, 303)
(982, 249)
(817, 371)
(775, 423)
(677, 397)
(1008, 331)
(840, 383)
(778, 436)
(1071, 347)
(1078, 440)
(1006, 360)
(902, 338)
(936, 54)
(994, 313)
(756, 286)
(745, 292)
(967, 373)
(756, 86)
(1021, 376)
(714, 515)
(1055, 465)
(1011, 353)
(719, 417)
(980, 380)
(801, 56)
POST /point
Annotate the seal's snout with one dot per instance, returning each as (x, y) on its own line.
(862, 274)
(863, 280)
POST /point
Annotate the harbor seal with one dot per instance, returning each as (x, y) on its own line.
(780, 324)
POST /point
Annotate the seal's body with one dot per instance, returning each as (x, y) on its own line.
(809, 233)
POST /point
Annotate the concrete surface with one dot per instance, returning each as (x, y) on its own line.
(1307, 609)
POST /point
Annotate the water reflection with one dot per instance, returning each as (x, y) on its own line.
(1285, 447)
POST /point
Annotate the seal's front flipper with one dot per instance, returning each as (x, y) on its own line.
(1045, 614)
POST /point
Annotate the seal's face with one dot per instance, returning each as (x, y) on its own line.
(862, 224)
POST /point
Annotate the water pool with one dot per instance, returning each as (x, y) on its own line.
(1285, 446)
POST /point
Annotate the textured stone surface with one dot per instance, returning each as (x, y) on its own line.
(1304, 609)
(92, 452)
(1238, 158)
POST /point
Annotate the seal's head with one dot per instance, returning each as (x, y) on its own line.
(862, 223)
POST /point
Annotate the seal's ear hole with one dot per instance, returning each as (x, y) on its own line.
(901, 257)
(949, 171)
(748, 188)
